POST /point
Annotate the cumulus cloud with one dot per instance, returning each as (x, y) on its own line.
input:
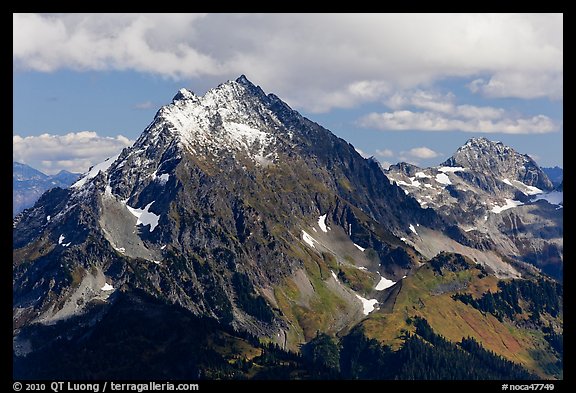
(520, 85)
(431, 111)
(386, 153)
(316, 61)
(429, 121)
(75, 151)
(422, 152)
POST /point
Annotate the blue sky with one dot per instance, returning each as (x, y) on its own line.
(400, 87)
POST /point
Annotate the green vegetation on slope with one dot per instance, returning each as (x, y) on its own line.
(428, 294)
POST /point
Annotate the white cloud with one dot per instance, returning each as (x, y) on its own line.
(442, 103)
(520, 84)
(479, 112)
(75, 151)
(387, 153)
(385, 164)
(422, 99)
(440, 113)
(315, 61)
(422, 152)
(429, 121)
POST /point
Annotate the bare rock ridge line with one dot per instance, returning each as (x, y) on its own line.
(234, 213)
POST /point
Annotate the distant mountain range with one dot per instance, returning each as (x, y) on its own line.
(555, 174)
(28, 184)
(238, 239)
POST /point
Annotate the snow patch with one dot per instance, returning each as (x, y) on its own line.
(443, 179)
(361, 268)
(144, 216)
(103, 166)
(507, 182)
(510, 203)
(334, 275)
(48, 218)
(411, 227)
(360, 248)
(367, 305)
(421, 175)
(403, 239)
(107, 287)
(413, 182)
(308, 239)
(322, 223)
(163, 247)
(531, 190)
(162, 179)
(383, 284)
(526, 189)
(451, 169)
(61, 239)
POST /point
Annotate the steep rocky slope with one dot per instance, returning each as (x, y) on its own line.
(230, 208)
(496, 199)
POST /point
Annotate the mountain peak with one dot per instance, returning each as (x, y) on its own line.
(183, 94)
(483, 143)
(500, 161)
(242, 80)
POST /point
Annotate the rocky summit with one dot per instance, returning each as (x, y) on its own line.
(235, 227)
(496, 199)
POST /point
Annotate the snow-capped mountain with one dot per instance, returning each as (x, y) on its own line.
(231, 184)
(28, 184)
(493, 161)
(232, 208)
(498, 198)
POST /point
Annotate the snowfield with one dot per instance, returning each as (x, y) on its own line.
(443, 178)
(308, 239)
(510, 203)
(322, 223)
(367, 305)
(451, 169)
(384, 283)
(144, 216)
(103, 166)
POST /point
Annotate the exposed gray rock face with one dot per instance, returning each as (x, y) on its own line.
(495, 198)
(208, 210)
(492, 161)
